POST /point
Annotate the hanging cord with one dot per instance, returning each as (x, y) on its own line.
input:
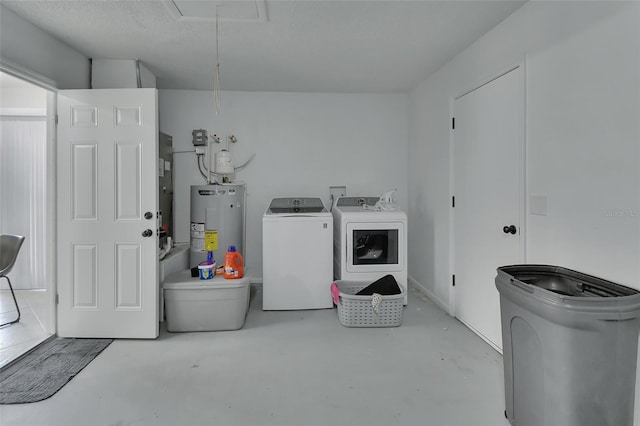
(216, 81)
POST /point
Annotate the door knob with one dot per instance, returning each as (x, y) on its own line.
(511, 229)
(147, 233)
(148, 215)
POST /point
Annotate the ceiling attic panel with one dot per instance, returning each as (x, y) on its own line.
(225, 11)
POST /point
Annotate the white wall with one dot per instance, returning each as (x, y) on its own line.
(304, 143)
(28, 47)
(584, 149)
(582, 62)
(582, 133)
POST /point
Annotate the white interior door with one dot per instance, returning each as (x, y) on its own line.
(107, 205)
(488, 181)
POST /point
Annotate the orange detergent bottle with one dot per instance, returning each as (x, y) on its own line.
(233, 264)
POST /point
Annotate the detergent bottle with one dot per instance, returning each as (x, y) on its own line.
(233, 264)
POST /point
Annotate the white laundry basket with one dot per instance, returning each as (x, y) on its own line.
(358, 311)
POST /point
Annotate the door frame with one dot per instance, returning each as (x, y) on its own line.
(52, 208)
(8, 67)
(505, 69)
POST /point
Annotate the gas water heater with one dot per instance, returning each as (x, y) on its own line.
(217, 221)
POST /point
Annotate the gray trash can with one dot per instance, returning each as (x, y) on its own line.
(570, 343)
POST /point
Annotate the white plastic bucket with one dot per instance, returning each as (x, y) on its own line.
(206, 270)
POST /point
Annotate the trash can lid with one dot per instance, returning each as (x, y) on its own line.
(565, 281)
(565, 296)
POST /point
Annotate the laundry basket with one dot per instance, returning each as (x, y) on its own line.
(358, 311)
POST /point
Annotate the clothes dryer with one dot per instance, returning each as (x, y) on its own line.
(369, 243)
(297, 252)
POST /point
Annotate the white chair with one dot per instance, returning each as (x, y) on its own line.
(9, 248)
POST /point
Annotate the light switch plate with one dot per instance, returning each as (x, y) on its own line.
(538, 205)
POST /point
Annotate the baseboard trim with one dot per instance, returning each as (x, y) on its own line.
(430, 294)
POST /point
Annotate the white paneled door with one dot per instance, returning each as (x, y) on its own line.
(488, 184)
(107, 205)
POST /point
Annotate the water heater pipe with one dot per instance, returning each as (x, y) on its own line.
(209, 157)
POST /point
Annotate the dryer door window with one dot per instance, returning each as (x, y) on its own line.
(375, 246)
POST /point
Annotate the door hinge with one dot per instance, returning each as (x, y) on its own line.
(56, 119)
(453, 123)
(453, 280)
(453, 201)
(57, 299)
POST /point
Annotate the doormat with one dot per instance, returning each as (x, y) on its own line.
(45, 370)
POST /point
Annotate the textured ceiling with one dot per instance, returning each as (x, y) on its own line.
(303, 45)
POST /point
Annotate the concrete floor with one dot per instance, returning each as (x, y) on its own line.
(288, 368)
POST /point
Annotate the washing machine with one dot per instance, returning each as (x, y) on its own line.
(297, 253)
(368, 243)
